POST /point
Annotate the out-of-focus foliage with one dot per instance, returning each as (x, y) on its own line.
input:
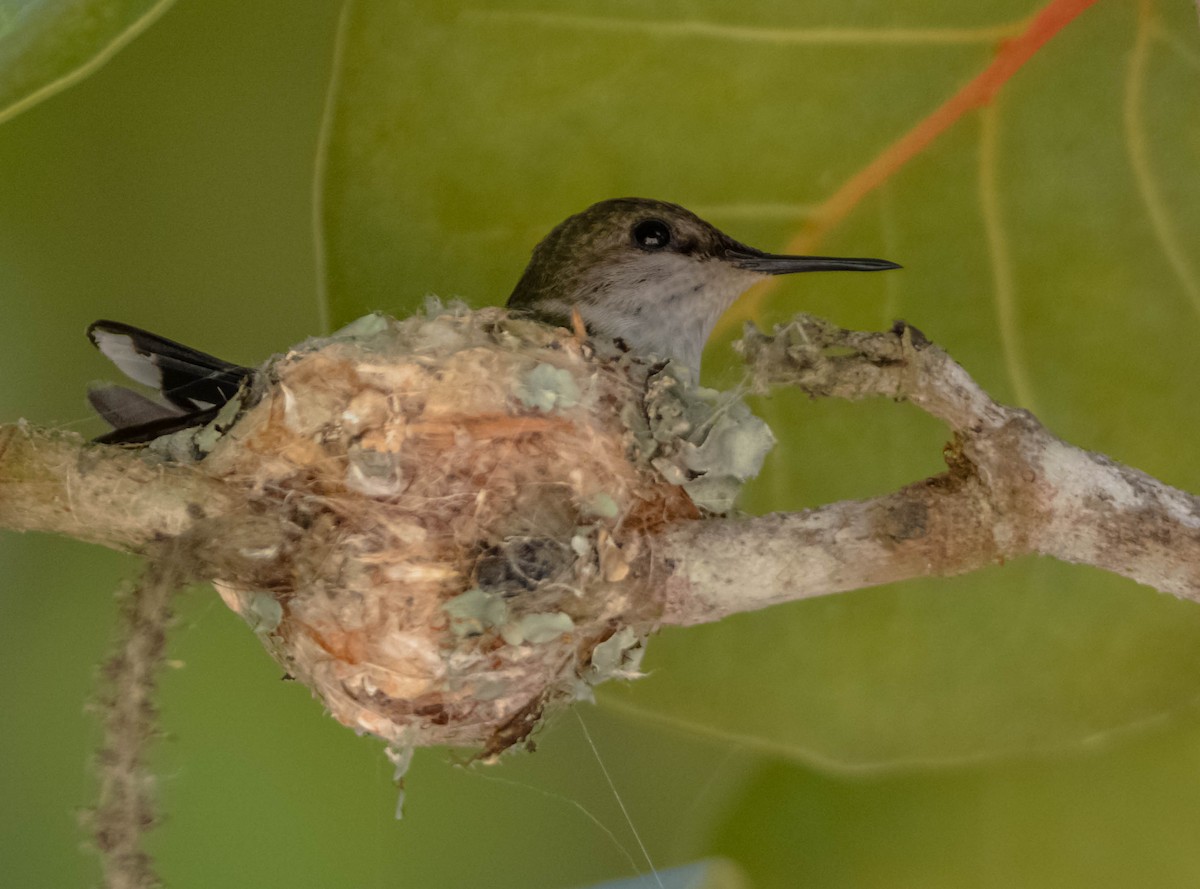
(47, 45)
(492, 124)
(1034, 724)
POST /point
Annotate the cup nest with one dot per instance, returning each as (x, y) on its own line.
(467, 507)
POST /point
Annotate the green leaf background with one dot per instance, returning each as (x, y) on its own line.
(1034, 724)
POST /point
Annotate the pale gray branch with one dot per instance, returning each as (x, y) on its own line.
(449, 524)
(1012, 488)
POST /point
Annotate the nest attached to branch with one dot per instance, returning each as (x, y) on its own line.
(467, 505)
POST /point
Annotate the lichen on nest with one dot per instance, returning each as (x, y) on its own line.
(468, 505)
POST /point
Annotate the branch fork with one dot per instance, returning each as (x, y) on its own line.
(1011, 489)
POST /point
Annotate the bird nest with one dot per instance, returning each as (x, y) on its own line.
(468, 503)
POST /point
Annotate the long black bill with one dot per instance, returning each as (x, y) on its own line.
(779, 264)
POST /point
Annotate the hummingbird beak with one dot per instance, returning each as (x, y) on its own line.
(779, 264)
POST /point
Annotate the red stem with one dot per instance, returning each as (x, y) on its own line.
(979, 91)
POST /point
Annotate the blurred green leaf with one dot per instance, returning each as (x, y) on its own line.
(461, 132)
(171, 190)
(48, 45)
(1065, 823)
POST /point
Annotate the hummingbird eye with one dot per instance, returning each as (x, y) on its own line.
(651, 234)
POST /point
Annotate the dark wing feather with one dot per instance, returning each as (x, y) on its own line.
(145, 432)
(121, 407)
(186, 377)
(197, 385)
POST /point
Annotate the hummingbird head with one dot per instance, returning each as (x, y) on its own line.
(652, 274)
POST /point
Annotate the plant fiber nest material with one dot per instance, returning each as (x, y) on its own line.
(468, 502)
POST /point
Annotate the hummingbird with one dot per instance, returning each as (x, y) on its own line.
(647, 273)
(653, 275)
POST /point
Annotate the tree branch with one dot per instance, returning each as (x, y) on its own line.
(446, 525)
(1012, 489)
(120, 498)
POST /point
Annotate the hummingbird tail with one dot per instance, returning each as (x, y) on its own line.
(193, 384)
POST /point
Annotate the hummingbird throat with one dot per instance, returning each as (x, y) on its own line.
(663, 305)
